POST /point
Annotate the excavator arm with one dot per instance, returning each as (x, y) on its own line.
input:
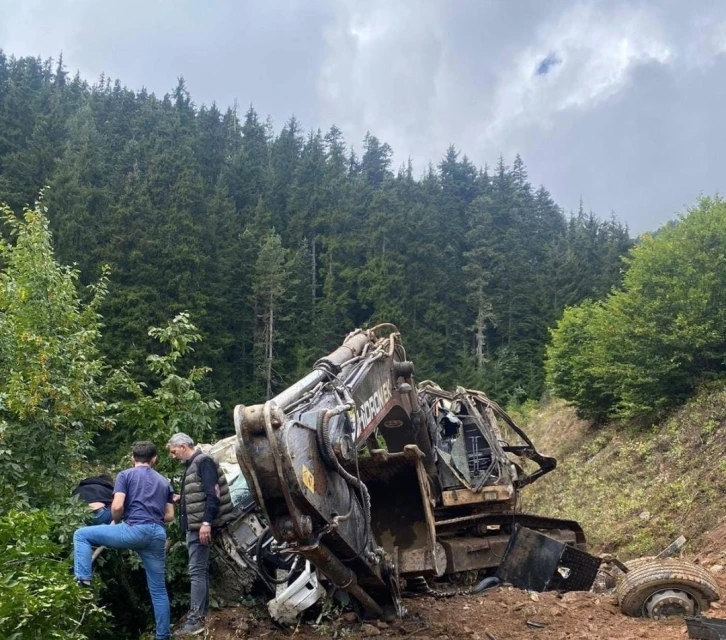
(372, 479)
(294, 448)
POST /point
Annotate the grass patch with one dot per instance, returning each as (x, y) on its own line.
(634, 490)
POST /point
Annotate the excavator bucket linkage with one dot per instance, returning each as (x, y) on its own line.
(378, 481)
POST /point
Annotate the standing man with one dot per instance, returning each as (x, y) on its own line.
(143, 500)
(205, 506)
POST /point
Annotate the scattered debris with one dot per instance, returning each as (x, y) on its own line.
(701, 628)
(532, 624)
(537, 562)
(673, 548)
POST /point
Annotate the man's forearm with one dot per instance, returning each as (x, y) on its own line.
(117, 507)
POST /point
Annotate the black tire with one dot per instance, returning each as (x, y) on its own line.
(609, 576)
(639, 562)
(648, 579)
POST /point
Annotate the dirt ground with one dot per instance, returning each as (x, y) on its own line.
(500, 614)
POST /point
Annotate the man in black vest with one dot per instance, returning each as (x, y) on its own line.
(205, 506)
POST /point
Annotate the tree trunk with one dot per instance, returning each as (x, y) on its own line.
(312, 282)
(270, 328)
(480, 339)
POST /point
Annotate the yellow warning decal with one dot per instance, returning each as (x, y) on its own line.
(308, 479)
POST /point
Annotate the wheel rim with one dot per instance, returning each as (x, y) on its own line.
(670, 602)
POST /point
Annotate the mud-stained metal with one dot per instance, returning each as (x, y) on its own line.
(702, 628)
(537, 562)
(374, 479)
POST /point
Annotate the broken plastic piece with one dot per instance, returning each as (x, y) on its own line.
(293, 599)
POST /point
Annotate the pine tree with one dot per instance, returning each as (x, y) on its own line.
(271, 283)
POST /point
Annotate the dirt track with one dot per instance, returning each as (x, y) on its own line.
(500, 614)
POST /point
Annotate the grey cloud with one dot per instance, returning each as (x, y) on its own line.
(629, 117)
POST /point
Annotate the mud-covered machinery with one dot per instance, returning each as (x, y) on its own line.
(380, 482)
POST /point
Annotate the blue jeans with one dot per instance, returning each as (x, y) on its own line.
(101, 516)
(149, 541)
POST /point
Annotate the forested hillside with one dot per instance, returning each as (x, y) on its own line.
(279, 241)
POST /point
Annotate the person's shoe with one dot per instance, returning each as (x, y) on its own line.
(189, 628)
(86, 589)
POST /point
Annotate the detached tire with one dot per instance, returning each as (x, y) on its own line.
(639, 562)
(663, 588)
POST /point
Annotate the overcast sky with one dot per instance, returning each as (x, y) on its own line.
(622, 103)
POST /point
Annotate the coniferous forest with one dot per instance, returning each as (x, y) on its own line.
(278, 241)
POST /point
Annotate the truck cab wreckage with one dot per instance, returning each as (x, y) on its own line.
(384, 485)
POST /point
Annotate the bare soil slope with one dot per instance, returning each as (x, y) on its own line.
(633, 489)
(501, 614)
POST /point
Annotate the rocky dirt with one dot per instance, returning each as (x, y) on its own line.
(503, 613)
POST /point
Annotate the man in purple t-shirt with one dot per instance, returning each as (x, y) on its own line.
(143, 499)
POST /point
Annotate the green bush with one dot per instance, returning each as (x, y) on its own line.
(56, 396)
(649, 344)
(38, 594)
(570, 361)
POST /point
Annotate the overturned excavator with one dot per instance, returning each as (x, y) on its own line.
(381, 483)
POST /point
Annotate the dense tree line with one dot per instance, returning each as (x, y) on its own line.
(652, 341)
(279, 243)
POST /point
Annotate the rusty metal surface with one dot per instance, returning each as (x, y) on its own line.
(417, 562)
(459, 497)
(440, 497)
(474, 553)
(401, 515)
(382, 466)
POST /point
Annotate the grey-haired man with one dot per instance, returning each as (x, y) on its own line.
(205, 505)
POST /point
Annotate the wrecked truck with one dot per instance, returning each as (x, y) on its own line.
(367, 485)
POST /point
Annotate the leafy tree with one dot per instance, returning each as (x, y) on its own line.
(571, 360)
(655, 339)
(51, 401)
(175, 404)
(51, 405)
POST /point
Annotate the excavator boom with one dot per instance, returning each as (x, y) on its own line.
(376, 480)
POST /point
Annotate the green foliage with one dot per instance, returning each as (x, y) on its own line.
(51, 406)
(272, 281)
(154, 411)
(56, 395)
(174, 404)
(657, 483)
(50, 368)
(38, 594)
(651, 342)
(570, 361)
